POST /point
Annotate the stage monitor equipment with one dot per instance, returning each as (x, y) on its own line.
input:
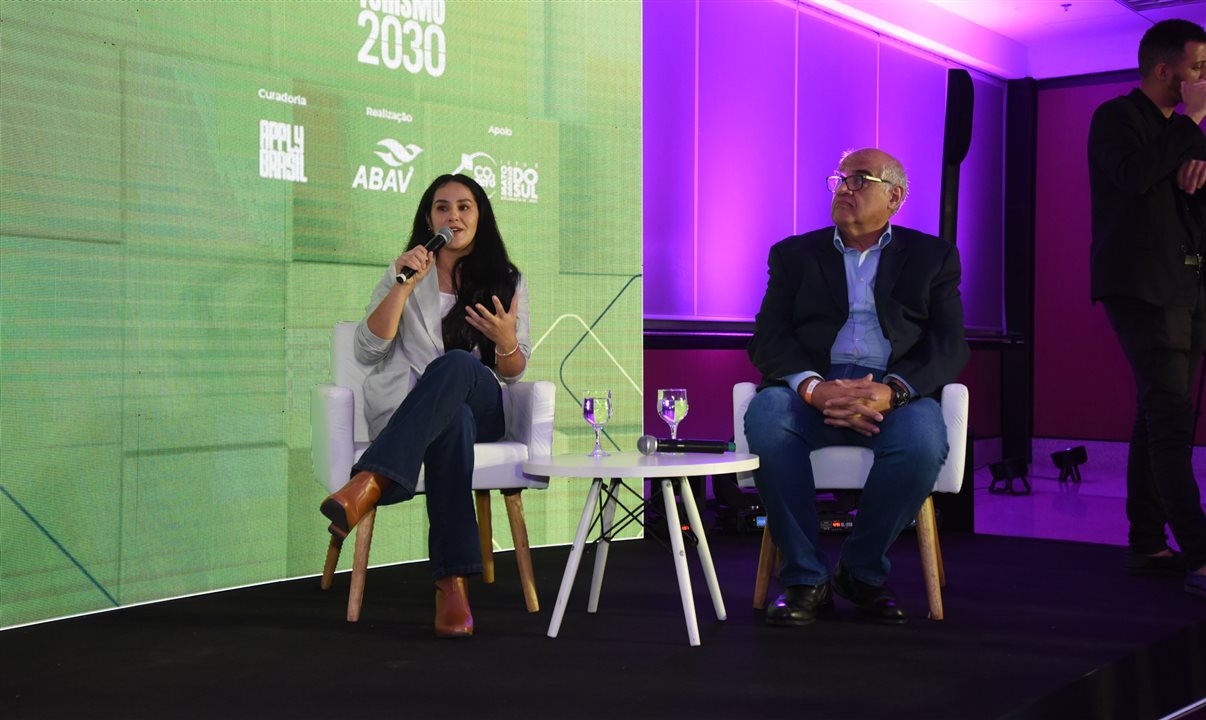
(1005, 472)
(1069, 461)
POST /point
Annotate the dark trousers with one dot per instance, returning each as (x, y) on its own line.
(1164, 347)
(456, 403)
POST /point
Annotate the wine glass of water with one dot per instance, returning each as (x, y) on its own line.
(596, 410)
(672, 407)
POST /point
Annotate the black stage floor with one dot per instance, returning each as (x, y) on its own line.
(1033, 629)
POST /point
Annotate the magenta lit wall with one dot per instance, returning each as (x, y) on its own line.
(1074, 346)
(749, 105)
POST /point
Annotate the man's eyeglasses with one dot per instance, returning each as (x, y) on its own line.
(854, 183)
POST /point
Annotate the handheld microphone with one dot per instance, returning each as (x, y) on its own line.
(648, 445)
(437, 241)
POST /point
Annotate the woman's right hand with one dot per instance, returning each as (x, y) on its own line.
(418, 259)
(383, 320)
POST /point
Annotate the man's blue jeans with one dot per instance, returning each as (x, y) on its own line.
(456, 403)
(909, 450)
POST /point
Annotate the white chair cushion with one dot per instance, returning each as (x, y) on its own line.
(955, 402)
(530, 415)
(347, 372)
(841, 467)
(496, 466)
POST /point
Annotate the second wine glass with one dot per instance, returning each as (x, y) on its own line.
(596, 410)
(672, 407)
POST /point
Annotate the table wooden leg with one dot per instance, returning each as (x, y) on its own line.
(680, 561)
(705, 553)
(575, 557)
(609, 513)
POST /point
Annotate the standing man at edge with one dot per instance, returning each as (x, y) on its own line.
(1147, 170)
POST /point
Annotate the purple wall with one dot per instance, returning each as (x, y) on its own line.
(746, 122)
(1073, 342)
(739, 136)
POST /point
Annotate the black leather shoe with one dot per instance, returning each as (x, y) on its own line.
(800, 605)
(875, 602)
(1140, 564)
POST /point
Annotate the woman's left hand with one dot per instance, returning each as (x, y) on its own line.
(498, 326)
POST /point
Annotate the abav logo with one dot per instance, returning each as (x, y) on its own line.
(394, 178)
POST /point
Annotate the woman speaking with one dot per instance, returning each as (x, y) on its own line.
(441, 342)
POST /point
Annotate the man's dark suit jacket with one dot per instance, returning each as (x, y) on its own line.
(1143, 224)
(916, 298)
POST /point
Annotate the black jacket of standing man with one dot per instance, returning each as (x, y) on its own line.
(1147, 177)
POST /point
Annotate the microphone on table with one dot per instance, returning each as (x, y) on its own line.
(437, 241)
(649, 445)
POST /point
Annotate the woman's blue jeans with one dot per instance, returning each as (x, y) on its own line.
(456, 403)
(909, 450)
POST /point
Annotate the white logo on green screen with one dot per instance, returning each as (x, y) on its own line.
(514, 182)
(404, 34)
(396, 177)
(480, 166)
(518, 183)
(282, 151)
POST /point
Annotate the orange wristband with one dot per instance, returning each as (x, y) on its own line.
(812, 385)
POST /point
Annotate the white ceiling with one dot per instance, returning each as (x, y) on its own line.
(1021, 38)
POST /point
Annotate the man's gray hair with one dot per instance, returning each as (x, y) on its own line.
(893, 172)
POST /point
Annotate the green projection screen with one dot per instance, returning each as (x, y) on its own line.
(193, 193)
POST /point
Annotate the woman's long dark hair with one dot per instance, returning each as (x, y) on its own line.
(485, 271)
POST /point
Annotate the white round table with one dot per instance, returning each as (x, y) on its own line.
(668, 467)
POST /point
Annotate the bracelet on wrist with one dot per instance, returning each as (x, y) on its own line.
(809, 387)
(506, 354)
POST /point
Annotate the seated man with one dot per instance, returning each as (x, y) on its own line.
(861, 324)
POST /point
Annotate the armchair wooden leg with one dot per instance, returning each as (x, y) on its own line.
(941, 566)
(767, 561)
(927, 539)
(328, 570)
(485, 534)
(523, 553)
(364, 540)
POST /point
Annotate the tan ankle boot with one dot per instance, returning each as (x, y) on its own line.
(452, 618)
(352, 502)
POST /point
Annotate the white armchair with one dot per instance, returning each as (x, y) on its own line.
(339, 436)
(845, 467)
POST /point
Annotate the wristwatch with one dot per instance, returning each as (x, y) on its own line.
(900, 393)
